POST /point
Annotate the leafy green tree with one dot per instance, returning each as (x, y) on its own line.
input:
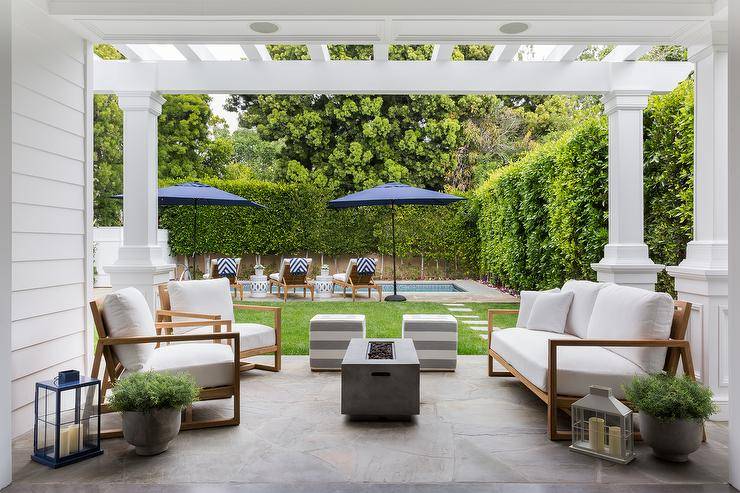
(257, 155)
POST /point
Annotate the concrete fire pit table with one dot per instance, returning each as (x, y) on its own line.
(380, 379)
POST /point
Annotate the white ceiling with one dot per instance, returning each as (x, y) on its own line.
(387, 21)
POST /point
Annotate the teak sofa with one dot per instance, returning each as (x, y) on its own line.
(558, 368)
(129, 341)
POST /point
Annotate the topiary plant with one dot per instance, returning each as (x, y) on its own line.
(668, 398)
(144, 391)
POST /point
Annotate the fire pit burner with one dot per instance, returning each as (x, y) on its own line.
(380, 350)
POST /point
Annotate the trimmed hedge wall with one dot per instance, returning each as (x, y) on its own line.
(543, 219)
(297, 220)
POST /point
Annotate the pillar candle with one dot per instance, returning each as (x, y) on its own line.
(615, 441)
(73, 435)
(596, 434)
(63, 442)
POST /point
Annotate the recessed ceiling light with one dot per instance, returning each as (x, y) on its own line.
(264, 27)
(514, 27)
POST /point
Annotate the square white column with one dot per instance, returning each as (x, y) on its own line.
(626, 260)
(140, 261)
(702, 277)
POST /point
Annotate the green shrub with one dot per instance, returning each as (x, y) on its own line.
(544, 219)
(145, 391)
(669, 398)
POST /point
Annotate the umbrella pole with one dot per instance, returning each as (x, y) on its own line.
(195, 235)
(395, 296)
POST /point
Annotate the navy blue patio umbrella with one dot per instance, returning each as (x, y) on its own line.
(394, 194)
(195, 194)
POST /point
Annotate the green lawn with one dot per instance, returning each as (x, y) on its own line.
(383, 320)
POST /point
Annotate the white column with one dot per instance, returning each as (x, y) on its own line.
(626, 260)
(140, 261)
(6, 136)
(733, 185)
(702, 277)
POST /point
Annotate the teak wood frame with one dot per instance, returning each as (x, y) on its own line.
(292, 281)
(166, 314)
(356, 281)
(677, 349)
(113, 368)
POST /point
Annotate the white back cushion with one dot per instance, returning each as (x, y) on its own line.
(549, 312)
(126, 314)
(623, 312)
(211, 297)
(526, 300)
(584, 297)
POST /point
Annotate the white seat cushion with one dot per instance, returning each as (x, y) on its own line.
(578, 367)
(526, 301)
(212, 365)
(211, 297)
(126, 314)
(251, 336)
(275, 276)
(623, 312)
(340, 277)
(549, 312)
(584, 297)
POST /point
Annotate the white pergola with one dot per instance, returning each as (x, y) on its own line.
(220, 47)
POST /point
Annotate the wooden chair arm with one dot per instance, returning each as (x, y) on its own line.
(554, 343)
(172, 313)
(112, 341)
(216, 324)
(277, 314)
(500, 311)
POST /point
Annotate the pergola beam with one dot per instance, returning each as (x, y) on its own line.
(319, 53)
(126, 51)
(626, 53)
(503, 53)
(442, 53)
(565, 53)
(393, 77)
(187, 52)
(256, 53)
(380, 53)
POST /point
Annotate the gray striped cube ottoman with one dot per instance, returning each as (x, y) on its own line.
(435, 339)
(329, 336)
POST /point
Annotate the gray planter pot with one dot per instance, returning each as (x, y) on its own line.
(671, 441)
(151, 432)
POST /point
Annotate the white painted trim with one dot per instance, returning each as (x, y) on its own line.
(442, 53)
(319, 53)
(393, 77)
(380, 52)
(256, 53)
(89, 213)
(186, 51)
(565, 53)
(733, 183)
(6, 159)
(503, 53)
(626, 53)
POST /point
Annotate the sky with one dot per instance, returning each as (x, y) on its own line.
(232, 119)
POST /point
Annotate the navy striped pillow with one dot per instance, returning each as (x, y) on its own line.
(226, 267)
(298, 266)
(366, 266)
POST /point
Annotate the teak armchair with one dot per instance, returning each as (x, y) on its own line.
(285, 280)
(355, 281)
(166, 314)
(677, 349)
(112, 369)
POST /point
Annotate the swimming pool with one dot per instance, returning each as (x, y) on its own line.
(412, 287)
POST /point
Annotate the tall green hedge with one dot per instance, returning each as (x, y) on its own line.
(296, 220)
(543, 219)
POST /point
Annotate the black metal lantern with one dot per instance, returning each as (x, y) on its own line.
(67, 419)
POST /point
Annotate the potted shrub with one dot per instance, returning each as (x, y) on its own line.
(672, 413)
(259, 270)
(151, 405)
(325, 270)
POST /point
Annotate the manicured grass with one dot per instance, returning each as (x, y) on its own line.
(383, 320)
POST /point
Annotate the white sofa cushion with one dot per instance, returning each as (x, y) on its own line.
(549, 312)
(578, 367)
(211, 297)
(584, 297)
(526, 300)
(126, 314)
(251, 336)
(212, 365)
(623, 312)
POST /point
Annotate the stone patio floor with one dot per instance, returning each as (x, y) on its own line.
(474, 434)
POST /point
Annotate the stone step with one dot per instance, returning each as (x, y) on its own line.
(452, 309)
(475, 322)
(465, 316)
(478, 328)
(453, 304)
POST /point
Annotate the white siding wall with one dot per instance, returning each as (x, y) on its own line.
(50, 207)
